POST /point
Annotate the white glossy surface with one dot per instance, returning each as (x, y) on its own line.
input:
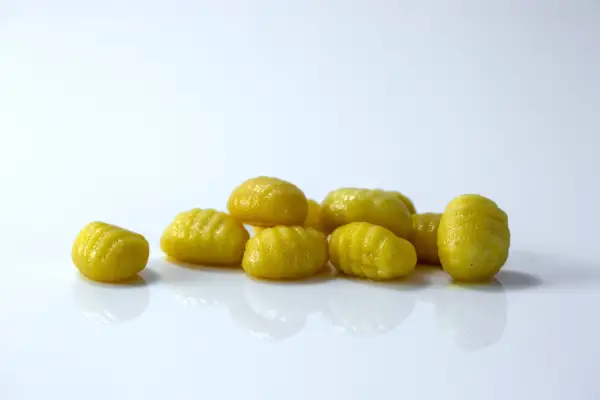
(130, 113)
(533, 333)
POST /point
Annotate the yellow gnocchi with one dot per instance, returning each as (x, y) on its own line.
(378, 207)
(473, 238)
(285, 252)
(207, 237)
(266, 201)
(370, 251)
(107, 253)
(408, 202)
(313, 218)
(425, 238)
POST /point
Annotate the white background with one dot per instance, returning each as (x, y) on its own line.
(129, 113)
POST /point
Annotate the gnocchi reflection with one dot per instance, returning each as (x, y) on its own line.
(110, 304)
(278, 311)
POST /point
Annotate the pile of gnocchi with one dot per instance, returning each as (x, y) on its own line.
(365, 233)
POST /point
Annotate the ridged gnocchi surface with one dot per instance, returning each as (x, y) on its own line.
(207, 237)
(473, 238)
(285, 252)
(107, 253)
(425, 237)
(378, 207)
(370, 251)
(408, 202)
(266, 201)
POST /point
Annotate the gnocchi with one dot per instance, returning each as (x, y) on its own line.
(107, 253)
(266, 201)
(206, 237)
(425, 227)
(370, 251)
(473, 238)
(378, 207)
(285, 252)
(408, 202)
(313, 218)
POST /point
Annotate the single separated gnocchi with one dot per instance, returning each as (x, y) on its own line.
(266, 201)
(285, 252)
(425, 227)
(107, 253)
(378, 207)
(408, 202)
(370, 251)
(473, 238)
(207, 237)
